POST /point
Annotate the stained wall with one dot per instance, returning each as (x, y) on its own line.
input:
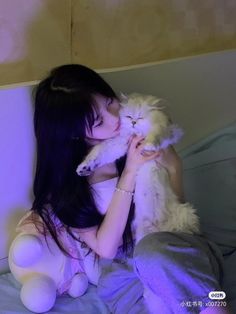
(34, 37)
(37, 35)
(114, 33)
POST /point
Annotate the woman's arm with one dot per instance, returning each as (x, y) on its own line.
(107, 238)
(109, 235)
(173, 164)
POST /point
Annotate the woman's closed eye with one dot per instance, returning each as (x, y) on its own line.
(109, 101)
(99, 123)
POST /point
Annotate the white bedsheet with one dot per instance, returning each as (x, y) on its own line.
(10, 302)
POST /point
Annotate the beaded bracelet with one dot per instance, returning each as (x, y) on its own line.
(124, 191)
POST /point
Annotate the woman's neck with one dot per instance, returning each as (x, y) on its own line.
(103, 173)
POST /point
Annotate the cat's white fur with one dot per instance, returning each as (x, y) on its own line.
(156, 206)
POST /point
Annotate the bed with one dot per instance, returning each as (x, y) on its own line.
(210, 184)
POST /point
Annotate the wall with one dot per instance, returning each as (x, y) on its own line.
(114, 33)
(16, 162)
(35, 36)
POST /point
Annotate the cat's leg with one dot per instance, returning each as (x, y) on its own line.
(162, 133)
(159, 125)
(150, 142)
(90, 162)
(178, 216)
(149, 200)
(101, 154)
(153, 139)
(154, 201)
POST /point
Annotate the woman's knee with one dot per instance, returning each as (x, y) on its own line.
(159, 252)
(158, 244)
(153, 250)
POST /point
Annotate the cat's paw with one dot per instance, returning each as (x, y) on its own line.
(149, 147)
(83, 171)
(86, 168)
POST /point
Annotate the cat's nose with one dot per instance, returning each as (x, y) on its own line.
(133, 122)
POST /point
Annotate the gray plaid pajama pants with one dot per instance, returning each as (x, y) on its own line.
(177, 267)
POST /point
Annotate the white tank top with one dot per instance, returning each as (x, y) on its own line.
(103, 192)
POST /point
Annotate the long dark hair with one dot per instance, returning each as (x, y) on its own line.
(63, 109)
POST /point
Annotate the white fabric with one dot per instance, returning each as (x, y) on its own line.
(10, 302)
(103, 193)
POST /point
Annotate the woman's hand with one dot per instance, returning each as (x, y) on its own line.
(170, 160)
(135, 156)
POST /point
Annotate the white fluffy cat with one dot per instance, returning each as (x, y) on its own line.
(156, 206)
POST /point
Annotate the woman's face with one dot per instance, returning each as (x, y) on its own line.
(107, 122)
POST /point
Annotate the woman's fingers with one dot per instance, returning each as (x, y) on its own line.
(148, 154)
(130, 140)
(153, 156)
(135, 142)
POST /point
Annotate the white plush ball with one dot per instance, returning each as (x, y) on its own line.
(78, 285)
(26, 250)
(38, 293)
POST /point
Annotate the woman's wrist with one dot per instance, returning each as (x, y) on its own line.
(127, 180)
(130, 171)
(120, 190)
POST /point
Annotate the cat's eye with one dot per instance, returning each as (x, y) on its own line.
(128, 117)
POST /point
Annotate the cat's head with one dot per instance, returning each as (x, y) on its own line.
(136, 112)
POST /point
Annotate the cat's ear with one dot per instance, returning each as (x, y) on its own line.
(123, 98)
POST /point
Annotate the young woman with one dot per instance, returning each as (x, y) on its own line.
(74, 110)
